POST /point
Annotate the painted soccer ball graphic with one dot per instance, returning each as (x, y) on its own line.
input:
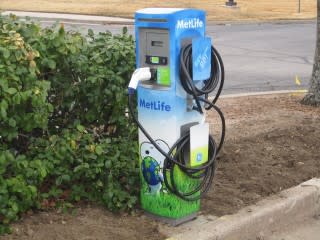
(151, 170)
(152, 164)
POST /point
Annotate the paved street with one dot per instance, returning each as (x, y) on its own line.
(265, 57)
(257, 57)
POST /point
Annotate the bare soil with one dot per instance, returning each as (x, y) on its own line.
(251, 10)
(272, 143)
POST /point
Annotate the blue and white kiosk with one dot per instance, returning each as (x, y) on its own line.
(177, 69)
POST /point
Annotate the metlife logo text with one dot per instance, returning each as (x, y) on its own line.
(189, 23)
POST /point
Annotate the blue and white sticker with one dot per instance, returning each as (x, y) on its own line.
(201, 58)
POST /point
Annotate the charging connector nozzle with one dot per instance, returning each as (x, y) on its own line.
(140, 74)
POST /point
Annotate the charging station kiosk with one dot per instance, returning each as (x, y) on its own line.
(171, 117)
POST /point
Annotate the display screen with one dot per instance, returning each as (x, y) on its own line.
(155, 60)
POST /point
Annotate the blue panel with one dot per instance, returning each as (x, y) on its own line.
(201, 58)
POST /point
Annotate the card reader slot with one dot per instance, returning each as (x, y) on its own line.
(157, 43)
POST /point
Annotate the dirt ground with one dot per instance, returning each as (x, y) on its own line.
(246, 10)
(272, 144)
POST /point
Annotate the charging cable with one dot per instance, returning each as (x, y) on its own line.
(214, 82)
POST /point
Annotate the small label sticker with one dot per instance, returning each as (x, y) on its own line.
(163, 76)
(199, 140)
(199, 157)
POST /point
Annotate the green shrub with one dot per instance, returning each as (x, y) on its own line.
(65, 134)
(19, 178)
(82, 167)
(23, 97)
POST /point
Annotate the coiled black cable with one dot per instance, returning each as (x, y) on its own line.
(203, 173)
(210, 85)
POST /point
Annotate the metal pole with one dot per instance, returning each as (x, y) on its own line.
(231, 3)
(299, 6)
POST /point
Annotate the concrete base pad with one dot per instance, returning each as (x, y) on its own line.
(171, 221)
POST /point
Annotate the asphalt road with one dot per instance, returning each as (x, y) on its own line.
(265, 57)
(257, 57)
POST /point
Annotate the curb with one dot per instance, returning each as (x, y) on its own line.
(255, 222)
(300, 91)
(70, 18)
(263, 21)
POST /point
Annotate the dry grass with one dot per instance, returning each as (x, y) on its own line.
(247, 9)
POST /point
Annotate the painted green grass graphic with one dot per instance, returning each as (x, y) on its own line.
(167, 204)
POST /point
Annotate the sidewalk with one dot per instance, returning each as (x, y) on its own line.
(306, 230)
(70, 17)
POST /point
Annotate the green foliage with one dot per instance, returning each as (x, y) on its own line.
(65, 134)
(86, 168)
(18, 185)
(23, 97)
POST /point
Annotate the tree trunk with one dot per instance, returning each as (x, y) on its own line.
(313, 95)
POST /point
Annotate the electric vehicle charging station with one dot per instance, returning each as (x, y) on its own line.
(177, 69)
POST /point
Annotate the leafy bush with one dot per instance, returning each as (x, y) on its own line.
(85, 168)
(23, 104)
(65, 134)
(19, 178)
